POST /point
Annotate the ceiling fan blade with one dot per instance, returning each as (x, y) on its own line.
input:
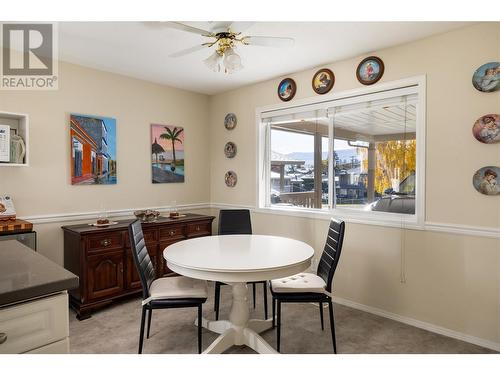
(189, 29)
(269, 41)
(187, 51)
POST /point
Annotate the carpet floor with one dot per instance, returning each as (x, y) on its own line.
(115, 329)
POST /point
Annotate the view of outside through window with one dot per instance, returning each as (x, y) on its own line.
(374, 155)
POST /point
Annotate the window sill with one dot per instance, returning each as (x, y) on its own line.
(349, 215)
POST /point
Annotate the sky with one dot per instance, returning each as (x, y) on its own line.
(157, 130)
(111, 127)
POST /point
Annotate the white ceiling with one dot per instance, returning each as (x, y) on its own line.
(141, 49)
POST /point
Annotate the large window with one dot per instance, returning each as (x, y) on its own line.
(356, 154)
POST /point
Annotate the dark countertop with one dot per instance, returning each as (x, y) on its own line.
(123, 224)
(25, 274)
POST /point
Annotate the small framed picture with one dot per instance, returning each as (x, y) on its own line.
(323, 81)
(370, 70)
(230, 150)
(231, 179)
(287, 89)
(230, 121)
(487, 128)
(487, 77)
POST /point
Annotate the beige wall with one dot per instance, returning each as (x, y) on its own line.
(44, 187)
(453, 280)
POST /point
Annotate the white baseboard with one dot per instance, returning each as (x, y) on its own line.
(420, 324)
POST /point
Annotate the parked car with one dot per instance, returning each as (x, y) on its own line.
(401, 202)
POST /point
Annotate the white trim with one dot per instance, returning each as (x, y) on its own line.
(420, 324)
(466, 230)
(78, 216)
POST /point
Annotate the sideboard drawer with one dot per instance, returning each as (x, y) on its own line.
(33, 324)
(172, 233)
(199, 229)
(103, 242)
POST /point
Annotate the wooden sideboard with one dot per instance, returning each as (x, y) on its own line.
(102, 259)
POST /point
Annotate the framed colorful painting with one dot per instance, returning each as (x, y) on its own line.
(93, 150)
(167, 153)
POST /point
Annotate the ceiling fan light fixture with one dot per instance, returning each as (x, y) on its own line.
(232, 61)
(214, 62)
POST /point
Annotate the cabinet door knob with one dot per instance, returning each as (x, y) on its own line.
(197, 228)
(3, 337)
(172, 233)
(106, 242)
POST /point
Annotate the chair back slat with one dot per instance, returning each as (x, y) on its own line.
(235, 222)
(331, 252)
(143, 264)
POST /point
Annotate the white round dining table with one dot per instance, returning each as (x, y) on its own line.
(235, 260)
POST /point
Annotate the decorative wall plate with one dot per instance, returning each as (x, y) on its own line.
(370, 70)
(487, 129)
(485, 180)
(323, 81)
(287, 89)
(230, 121)
(487, 77)
(230, 150)
(231, 178)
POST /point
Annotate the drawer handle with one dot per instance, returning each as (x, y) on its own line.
(197, 228)
(106, 242)
(3, 337)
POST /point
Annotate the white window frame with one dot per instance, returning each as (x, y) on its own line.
(413, 85)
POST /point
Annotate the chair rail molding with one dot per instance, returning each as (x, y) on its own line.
(77, 216)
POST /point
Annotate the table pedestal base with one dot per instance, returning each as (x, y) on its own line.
(239, 329)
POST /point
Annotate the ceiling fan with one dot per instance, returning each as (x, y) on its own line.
(226, 37)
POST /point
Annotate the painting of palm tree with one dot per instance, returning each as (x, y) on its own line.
(173, 136)
(167, 153)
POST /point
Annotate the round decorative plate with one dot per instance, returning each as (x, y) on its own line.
(231, 178)
(230, 121)
(287, 89)
(323, 81)
(370, 70)
(230, 150)
(487, 128)
(485, 180)
(487, 77)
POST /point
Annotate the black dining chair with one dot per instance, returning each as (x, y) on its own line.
(164, 292)
(236, 222)
(308, 287)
